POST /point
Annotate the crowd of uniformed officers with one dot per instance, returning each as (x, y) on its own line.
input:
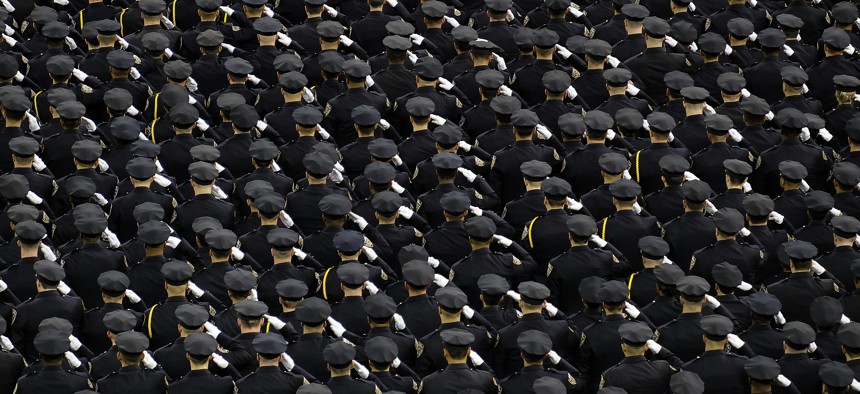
(424, 196)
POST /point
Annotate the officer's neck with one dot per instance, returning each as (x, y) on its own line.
(840, 241)
(651, 263)
(694, 109)
(449, 318)
(201, 189)
(609, 179)
(594, 141)
(149, 20)
(714, 345)
(691, 307)
(154, 251)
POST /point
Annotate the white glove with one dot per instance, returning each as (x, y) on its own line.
(804, 187)
(710, 208)
(336, 328)
(626, 174)
(80, 75)
(744, 286)
(89, 124)
(167, 23)
(600, 242)
(464, 145)
(805, 89)
(812, 347)
(360, 369)
(346, 41)
(331, 11)
(437, 120)
(132, 296)
(844, 320)
(237, 253)
(835, 212)
(228, 47)
(571, 92)
(735, 134)
(12, 42)
(275, 322)
(776, 217)
(613, 61)
(817, 268)
(339, 167)
(779, 318)
(553, 357)
(299, 253)
(268, 11)
(728, 51)
(161, 180)
(103, 166)
(38, 164)
(551, 309)
(691, 7)
(654, 346)
(855, 385)
(753, 36)
(689, 176)
(505, 91)
(122, 43)
(468, 174)
(371, 254)
(637, 209)
(575, 11)
(468, 312)
(476, 211)
(712, 301)
(49, 255)
(336, 176)
(323, 132)
(196, 291)
(788, 51)
(133, 112)
(405, 212)
(397, 160)
(371, 287)
(172, 242)
(399, 323)
(745, 93)
(397, 188)
(71, 43)
(358, 220)
(440, 280)
(308, 95)
(746, 187)
(632, 89)
(666, 260)
(253, 79)
(514, 295)
(227, 10)
(74, 343)
(445, 84)
(824, 133)
(71, 358)
(212, 330)
(610, 134)
(100, 199)
(287, 362)
(500, 61)
(745, 232)
(709, 110)
(191, 84)
(149, 362)
(804, 134)
(736, 341)
(509, 15)
(3, 286)
(543, 132)
(451, 21)
(417, 39)
(671, 41)
(562, 51)
(573, 204)
(849, 49)
(476, 358)
(783, 381)
(631, 310)
(671, 136)
(6, 343)
(220, 361)
(8, 6)
(286, 219)
(202, 125)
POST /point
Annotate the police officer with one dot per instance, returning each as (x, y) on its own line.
(665, 306)
(798, 290)
(798, 364)
(728, 279)
(579, 166)
(51, 345)
(731, 374)
(200, 349)
(457, 344)
(268, 377)
(761, 336)
(106, 363)
(748, 258)
(419, 309)
(534, 348)
(635, 371)
(600, 346)
(636, 225)
(161, 319)
(667, 203)
(643, 284)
